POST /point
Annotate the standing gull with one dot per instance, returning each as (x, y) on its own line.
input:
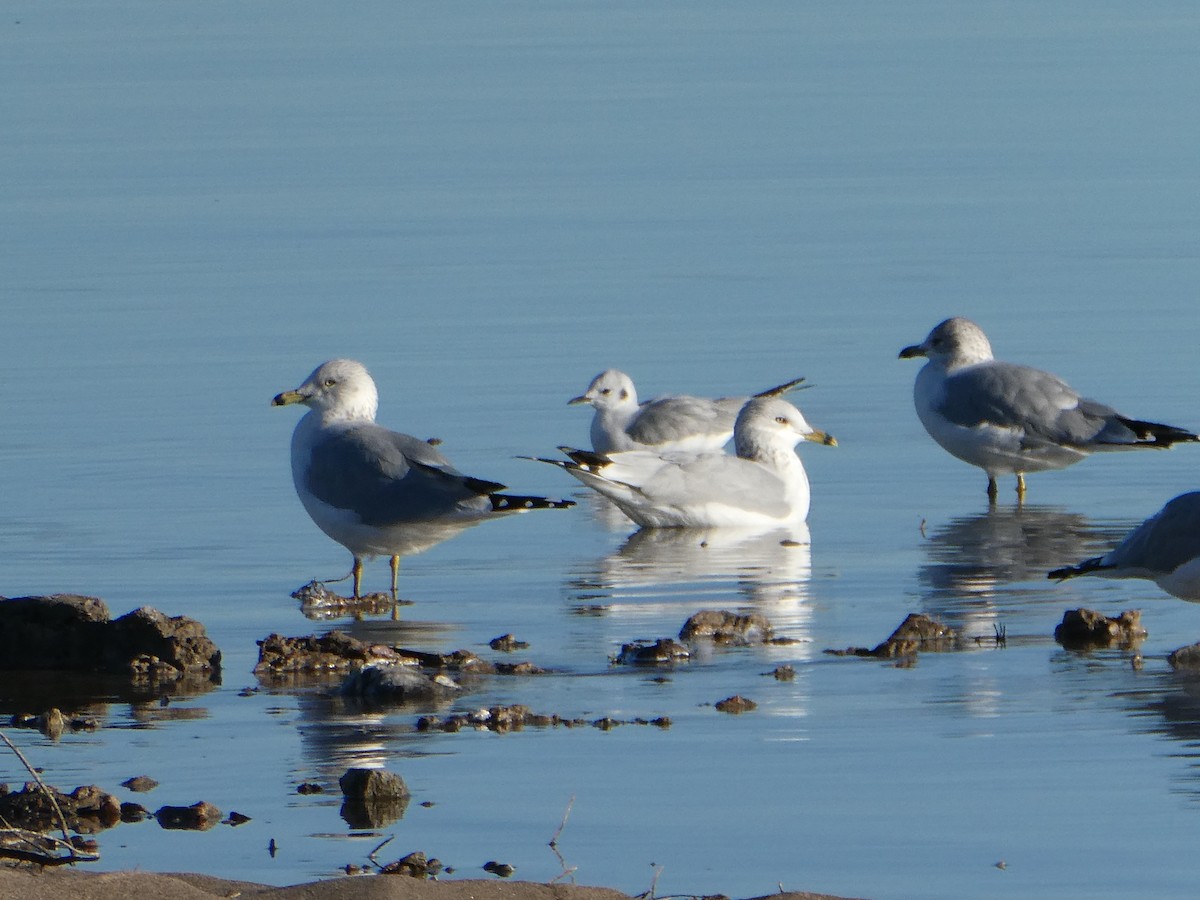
(1164, 549)
(675, 422)
(378, 492)
(764, 485)
(1010, 419)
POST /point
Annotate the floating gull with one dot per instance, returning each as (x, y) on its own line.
(1164, 549)
(763, 485)
(1010, 419)
(676, 422)
(378, 492)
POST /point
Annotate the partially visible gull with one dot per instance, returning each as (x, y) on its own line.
(378, 492)
(670, 423)
(764, 485)
(1009, 419)
(1164, 549)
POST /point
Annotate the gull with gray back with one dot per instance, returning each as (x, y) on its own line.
(1010, 419)
(379, 492)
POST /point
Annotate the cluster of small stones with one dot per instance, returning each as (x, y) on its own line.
(502, 719)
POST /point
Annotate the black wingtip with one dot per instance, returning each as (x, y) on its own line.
(1155, 434)
(781, 389)
(1084, 568)
(518, 503)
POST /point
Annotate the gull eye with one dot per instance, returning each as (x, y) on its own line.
(330, 382)
(782, 420)
(604, 392)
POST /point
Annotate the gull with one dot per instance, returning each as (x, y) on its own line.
(674, 422)
(379, 492)
(1164, 549)
(764, 485)
(1009, 419)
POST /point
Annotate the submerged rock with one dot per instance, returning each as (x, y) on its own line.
(723, 627)
(506, 643)
(197, 817)
(917, 632)
(736, 704)
(75, 633)
(1185, 659)
(664, 651)
(396, 683)
(1082, 629)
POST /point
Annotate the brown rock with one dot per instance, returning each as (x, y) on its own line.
(71, 632)
(197, 817)
(664, 651)
(724, 627)
(1085, 629)
(917, 632)
(736, 704)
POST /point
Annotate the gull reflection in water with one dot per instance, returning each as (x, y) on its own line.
(661, 575)
(974, 561)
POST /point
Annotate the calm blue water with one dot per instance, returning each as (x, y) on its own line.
(489, 203)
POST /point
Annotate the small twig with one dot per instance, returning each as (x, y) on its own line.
(649, 894)
(62, 820)
(563, 823)
(371, 855)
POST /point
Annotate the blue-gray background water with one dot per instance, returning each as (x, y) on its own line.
(488, 203)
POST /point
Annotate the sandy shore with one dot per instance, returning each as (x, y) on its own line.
(28, 883)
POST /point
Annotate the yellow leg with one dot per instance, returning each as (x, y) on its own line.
(1020, 488)
(992, 489)
(395, 575)
(356, 571)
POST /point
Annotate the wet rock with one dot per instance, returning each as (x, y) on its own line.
(415, 865)
(235, 819)
(87, 809)
(664, 651)
(917, 632)
(75, 633)
(197, 817)
(499, 869)
(333, 652)
(506, 643)
(372, 784)
(722, 627)
(318, 602)
(1185, 659)
(396, 683)
(309, 787)
(1083, 629)
(736, 704)
(134, 812)
(521, 668)
(460, 661)
(140, 784)
(784, 673)
(53, 722)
